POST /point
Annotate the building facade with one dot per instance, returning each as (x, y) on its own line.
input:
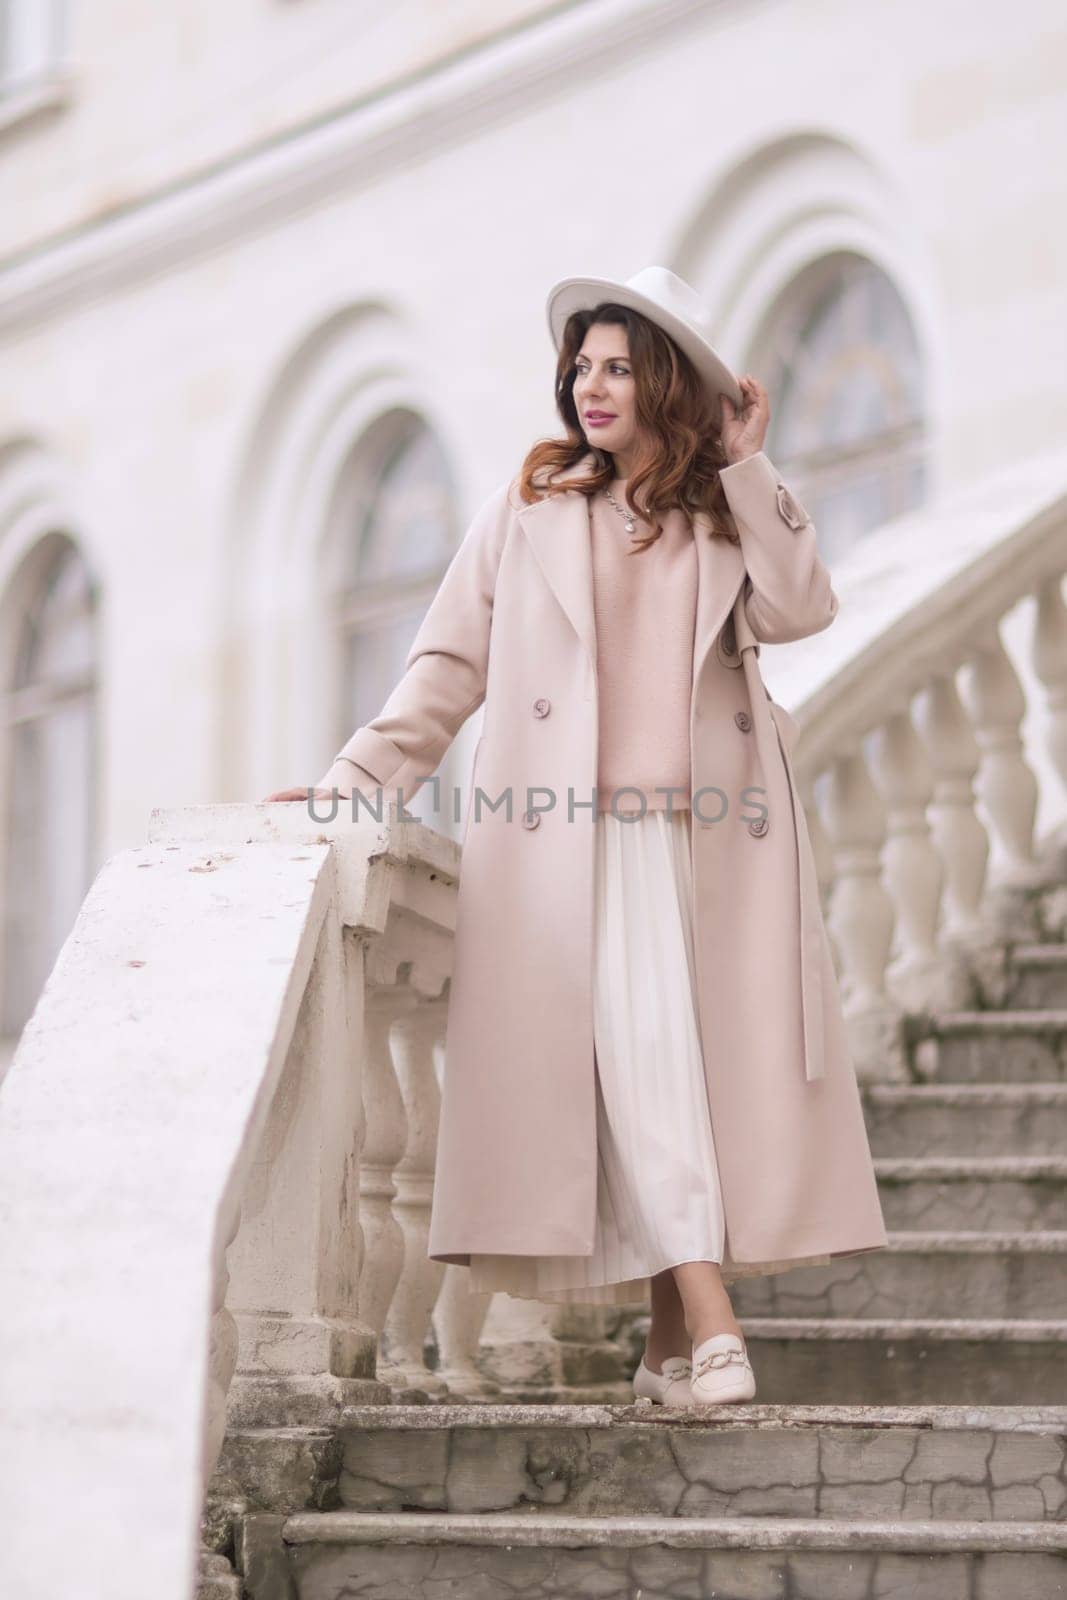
(272, 283)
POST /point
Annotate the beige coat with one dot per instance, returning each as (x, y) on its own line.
(513, 624)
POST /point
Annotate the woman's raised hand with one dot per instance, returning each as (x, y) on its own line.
(743, 435)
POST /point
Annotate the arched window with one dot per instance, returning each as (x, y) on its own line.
(50, 727)
(840, 360)
(31, 36)
(393, 533)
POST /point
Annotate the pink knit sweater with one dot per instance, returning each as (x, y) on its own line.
(645, 612)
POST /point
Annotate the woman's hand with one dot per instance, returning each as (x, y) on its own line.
(298, 794)
(347, 777)
(743, 435)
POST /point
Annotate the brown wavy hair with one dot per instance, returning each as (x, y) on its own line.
(679, 450)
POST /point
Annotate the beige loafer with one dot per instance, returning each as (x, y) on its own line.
(722, 1371)
(668, 1388)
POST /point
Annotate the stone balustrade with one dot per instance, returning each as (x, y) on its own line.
(933, 719)
(217, 1139)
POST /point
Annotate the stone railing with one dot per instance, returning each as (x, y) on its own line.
(920, 785)
(217, 1141)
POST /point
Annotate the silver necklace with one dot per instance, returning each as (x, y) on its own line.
(627, 516)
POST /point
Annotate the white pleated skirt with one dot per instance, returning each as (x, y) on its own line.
(658, 1200)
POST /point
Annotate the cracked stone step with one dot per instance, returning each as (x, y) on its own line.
(908, 1361)
(1011, 1046)
(992, 1193)
(923, 1274)
(957, 1119)
(993, 1464)
(381, 1556)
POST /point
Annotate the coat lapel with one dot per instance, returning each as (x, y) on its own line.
(557, 529)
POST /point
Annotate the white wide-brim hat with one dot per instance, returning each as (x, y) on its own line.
(663, 298)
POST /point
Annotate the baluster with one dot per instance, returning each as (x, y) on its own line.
(384, 1139)
(1049, 658)
(1006, 787)
(458, 1319)
(861, 917)
(541, 1350)
(961, 839)
(959, 833)
(920, 977)
(407, 1324)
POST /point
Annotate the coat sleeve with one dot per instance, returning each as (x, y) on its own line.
(445, 671)
(791, 595)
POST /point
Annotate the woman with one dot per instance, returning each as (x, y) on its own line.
(647, 1084)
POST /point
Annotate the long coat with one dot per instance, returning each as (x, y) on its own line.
(512, 625)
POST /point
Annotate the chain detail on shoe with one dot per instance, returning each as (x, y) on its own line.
(721, 1358)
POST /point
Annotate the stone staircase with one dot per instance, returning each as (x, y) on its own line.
(928, 1457)
(805, 1502)
(972, 1171)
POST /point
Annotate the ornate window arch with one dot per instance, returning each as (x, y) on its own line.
(838, 353)
(391, 532)
(48, 637)
(345, 517)
(822, 287)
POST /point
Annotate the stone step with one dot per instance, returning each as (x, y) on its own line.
(382, 1556)
(966, 1119)
(1003, 1463)
(922, 1275)
(897, 1361)
(995, 1193)
(880, 1361)
(1013, 1046)
(1037, 976)
(216, 1579)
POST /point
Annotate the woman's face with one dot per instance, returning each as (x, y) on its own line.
(604, 389)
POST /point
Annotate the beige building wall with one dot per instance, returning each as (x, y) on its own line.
(245, 250)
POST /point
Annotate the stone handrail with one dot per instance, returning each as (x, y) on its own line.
(920, 789)
(180, 1175)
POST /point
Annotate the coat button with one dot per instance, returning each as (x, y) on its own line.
(531, 819)
(542, 707)
(758, 826)
(743, 720)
